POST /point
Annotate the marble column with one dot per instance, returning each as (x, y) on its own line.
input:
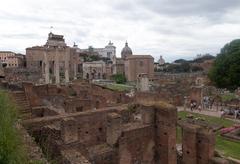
(56, 67)
(75, 71)
(66, 67)
(46, 68)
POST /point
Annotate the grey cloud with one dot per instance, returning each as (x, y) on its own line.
(31, 18)
(20, 36)
(205, 8)
(172, 28)
(129, 10)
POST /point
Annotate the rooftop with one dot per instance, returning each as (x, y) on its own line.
(139, 56)
(6, 52)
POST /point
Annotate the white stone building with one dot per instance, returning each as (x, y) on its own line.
(108, 51)
(161, 61)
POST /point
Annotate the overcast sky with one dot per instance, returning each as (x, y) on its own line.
(171, 28)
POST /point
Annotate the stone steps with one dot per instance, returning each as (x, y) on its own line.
(22, 103)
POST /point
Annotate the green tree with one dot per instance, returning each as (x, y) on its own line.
(180, 61)
(203, 58)
(119, 78)
(225, 72)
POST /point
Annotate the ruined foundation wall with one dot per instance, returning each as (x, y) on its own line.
(104, 136)
(198, 144)
(166, 123)
(137, 145)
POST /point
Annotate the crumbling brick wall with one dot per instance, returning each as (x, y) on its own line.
(104, 136)
(137, 145)
(18, 75)
(198, 144)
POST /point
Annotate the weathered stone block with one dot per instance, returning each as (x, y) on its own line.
(147, 114)
(69, 131)
(113, 128)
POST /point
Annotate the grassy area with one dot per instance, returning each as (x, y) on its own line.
(119, 87)
(228, 97)
(11, 148)
(209, 119)
(226, 147)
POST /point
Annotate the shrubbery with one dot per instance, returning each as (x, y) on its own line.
(11, 149)
(119, 78)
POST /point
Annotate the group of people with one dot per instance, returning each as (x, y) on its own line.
(232, 112)
(207, 102)
(194, 106)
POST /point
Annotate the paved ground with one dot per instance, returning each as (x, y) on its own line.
(213, 112)
(205, 112)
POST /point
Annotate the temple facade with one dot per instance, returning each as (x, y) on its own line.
(57, 62)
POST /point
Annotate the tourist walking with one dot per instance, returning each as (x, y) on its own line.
(199, 108)
(236, 113)
(222, 113)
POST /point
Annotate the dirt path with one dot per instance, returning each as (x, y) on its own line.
(213, 113)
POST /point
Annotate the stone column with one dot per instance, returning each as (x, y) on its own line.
(56, 67)
(66, 67)
(75, 71)
(46, 67)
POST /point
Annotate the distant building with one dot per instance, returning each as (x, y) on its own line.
(156, 65)
(94, 70)
(161, 61)
(12, 59)
(139, 64)
(133, 65)
(1, 70)
(118, 65)
(56, 61)
(205, 65)
(108, 51)
(160, 65)
(126, 51)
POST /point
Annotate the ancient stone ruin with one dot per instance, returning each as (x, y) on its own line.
(84, 123)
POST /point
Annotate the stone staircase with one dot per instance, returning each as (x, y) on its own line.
(22, 104)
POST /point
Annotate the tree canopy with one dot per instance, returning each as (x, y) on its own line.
(203, 58)
(225, 72)
(119, 78)
(181, 61)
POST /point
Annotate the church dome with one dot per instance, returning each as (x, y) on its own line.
(126, 51)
